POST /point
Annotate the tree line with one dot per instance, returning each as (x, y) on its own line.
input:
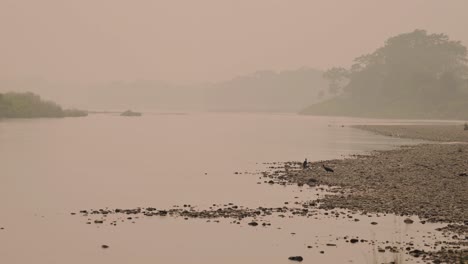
(413, 74)
(30, 105)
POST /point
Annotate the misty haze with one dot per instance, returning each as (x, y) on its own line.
(261, 131)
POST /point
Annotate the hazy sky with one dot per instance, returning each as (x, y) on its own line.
(203, 40)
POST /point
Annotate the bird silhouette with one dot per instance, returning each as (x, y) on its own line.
(304, 164)
(328, 169)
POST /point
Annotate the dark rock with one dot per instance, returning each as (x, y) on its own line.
(408, 221)
(416, 253)
(296, 258)
(354, 240)
(253, 223)
(104, 246)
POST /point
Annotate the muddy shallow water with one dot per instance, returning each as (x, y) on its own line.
(52, 167)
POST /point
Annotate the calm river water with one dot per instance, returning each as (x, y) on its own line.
(52, 167)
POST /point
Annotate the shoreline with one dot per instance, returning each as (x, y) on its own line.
(433, 133)
(427, 180)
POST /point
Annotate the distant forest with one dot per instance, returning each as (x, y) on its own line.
(262, 91)
(414, 75)
(29, 105)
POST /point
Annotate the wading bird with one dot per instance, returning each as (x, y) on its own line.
(328, 169)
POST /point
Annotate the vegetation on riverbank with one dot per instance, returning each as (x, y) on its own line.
(30, 105)
(414, 75)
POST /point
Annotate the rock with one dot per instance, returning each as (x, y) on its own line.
(311, 182)
(162, 213)
(98, 221)
(373, 223)
(463, 174)
(130, 113)
(253, 223)
(416, 253)
(408, 221)
(331, 245)
(354, 240)
(296, 258)
(104, 246)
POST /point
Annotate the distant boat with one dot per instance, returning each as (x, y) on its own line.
(130, 113)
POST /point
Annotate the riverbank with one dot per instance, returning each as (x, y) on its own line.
(426, 180)
(30, 105)
(442, 133)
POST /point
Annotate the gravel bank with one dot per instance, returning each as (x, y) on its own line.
(427, 180)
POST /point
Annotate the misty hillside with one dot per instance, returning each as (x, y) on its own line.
(265, 91)
(414, 75)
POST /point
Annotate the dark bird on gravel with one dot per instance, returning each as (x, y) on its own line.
(328, 169)
(304, 164)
